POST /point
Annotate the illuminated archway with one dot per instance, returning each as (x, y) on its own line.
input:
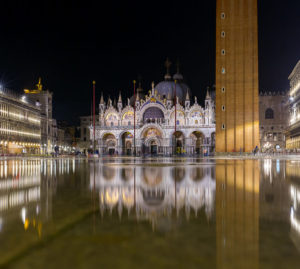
(109, 143)
(126, 143)
(178, 142)
(197, 141)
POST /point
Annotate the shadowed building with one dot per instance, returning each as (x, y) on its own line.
(237, 112)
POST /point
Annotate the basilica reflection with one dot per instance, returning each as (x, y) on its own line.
(154, 191)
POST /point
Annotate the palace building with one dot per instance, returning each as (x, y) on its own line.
(167, 121)
(293, 131)
(20, 124)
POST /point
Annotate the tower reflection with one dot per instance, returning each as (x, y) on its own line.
(237, 214)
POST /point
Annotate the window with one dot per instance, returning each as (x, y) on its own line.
(223, 70)
(223, 126)
(129, 122)
(223, 34)
(111, 124)
(177, 122)
(269, 114)
(223, 89)
(222, 15)
(223, 52)
(223, 108)
(196, 121)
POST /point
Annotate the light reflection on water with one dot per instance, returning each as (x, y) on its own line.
(223, 213)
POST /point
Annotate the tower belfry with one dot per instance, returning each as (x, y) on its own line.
(237, 111)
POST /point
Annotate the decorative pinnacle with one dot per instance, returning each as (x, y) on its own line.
(168, 65)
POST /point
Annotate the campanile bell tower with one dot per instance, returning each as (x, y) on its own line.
(237, 98)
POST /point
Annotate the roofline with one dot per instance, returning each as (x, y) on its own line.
(294, 70)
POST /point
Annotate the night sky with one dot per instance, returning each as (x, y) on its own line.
(69, 45)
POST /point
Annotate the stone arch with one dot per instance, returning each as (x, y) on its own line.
(126, 139)
(109, 142)
(151, 137)
(197, 141)
(153, 114)
(178, 142)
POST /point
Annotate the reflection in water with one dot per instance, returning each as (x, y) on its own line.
(240, 213)
(154, 191)
(237, 214)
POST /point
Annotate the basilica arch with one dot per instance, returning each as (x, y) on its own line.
(108, 144)
(197, 142)
(151, 140)
(126, 143)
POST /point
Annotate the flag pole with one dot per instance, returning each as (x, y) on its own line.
(175, 115)
(94, 115)
(134, 98)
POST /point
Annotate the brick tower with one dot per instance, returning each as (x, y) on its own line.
(237, 98)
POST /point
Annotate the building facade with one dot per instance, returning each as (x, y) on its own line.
(48, 124)
(237, 111)
(20, 124)
(273, 121)
(293, 131)
(164, 122)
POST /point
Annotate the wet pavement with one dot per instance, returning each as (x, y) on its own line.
(149, 213)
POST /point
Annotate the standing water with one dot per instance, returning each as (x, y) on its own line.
(155, 213)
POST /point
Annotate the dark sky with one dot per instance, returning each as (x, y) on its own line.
(69, 45)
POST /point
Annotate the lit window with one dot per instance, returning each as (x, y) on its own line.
(222, 15)
(177, 122)
(223, 34)
(223, 108)
(223, 52)
(223, 126)
(223, 70)
(223, 89)
(196, 121)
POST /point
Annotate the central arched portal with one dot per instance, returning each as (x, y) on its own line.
(152, 137)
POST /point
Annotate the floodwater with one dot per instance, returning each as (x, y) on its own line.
(159, 213)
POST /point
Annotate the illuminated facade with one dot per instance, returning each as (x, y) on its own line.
(20, 124)
(273, 120)
(237, 111)
(293, 131)
(157, 129)
(48, 124)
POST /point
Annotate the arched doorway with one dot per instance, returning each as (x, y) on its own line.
(178, 142)
(151, 144)
(127, 142)
(153, 147)
(197, 142)
(109, 144)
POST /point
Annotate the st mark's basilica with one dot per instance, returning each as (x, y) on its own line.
(160, 128)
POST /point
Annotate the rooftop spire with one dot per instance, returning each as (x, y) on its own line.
(187, 97)
(207, 93)
(167, 65)
(120, 98)
(101, 99)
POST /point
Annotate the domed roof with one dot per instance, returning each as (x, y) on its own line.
(166, 89)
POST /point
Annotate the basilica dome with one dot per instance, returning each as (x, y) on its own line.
(166, 89)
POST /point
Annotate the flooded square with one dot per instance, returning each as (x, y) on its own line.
(149, 213)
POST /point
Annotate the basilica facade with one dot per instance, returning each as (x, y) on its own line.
(166, 120)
